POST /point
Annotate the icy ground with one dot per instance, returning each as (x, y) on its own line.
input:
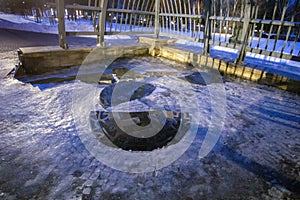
(42, 156)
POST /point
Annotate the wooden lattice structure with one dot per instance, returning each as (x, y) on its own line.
(269, 27)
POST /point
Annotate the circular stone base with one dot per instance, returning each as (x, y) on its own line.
(128, 142)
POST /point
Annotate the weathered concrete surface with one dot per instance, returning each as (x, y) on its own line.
(226, 68)
(157, 42)
(39, 60)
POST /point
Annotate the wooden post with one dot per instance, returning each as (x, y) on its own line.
(60, 7)
(207, 30)
(157, 11)
(247, 18)
(102, 23)
(245, 31)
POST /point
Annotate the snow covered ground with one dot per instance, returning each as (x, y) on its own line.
(42, 154)
(28, 23)
(43, 157)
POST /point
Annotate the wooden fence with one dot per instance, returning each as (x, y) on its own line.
(269, 27)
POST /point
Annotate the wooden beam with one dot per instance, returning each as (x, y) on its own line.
(60, 7)
(181, 15)
(81, 7)
(157, 11)
(76, 33)
(78, 7)
(207, 31)
(245, 32)
(102, 23)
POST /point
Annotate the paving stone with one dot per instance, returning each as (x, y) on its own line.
(89, 183)
(87, 193)
(42, 159)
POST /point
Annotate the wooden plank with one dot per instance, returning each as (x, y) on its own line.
(255, 13)
(226, 22)
(102, 23)
(268, 53)
(82, 7)
(272, 25)
(221, 21)
(275, 22)
(176, 12)
(213, 22)
(289, 29)
(174, 35)
(77, 6)
(60, 7)
(245, 32)
(227, 18)
(262, 25)
(149, 22)
(157, 26)
(168, 17)
(207, 31)
(130, 33)
(235, 33)
(94, 16)
(77, 33)
(131, 15)
(280, 26)
(185, 18)
(181, 15)
(164, 19)
(135, 15)
(229, 45)
(122, 14)
(246, 21)
(173, 18)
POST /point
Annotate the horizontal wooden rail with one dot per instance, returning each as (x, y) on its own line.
(234, 19)
(129, 33)
(80, 7)
(76, 7)
(275, 22)
(73, 33)
(181, 15)
(130, 11)
(270, 53)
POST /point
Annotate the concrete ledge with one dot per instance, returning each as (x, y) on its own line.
(156, 41)
(39, 60)
(230, 69)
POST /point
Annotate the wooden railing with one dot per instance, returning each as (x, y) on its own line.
(271, 28)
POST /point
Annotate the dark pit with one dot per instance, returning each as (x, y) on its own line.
(121, 139)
